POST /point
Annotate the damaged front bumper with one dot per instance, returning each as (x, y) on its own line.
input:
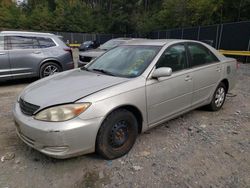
(57, 139)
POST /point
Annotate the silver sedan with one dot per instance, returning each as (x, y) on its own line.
(103, 106)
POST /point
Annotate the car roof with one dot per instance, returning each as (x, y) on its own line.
(25, 33)
(155, 42)
(123, 39)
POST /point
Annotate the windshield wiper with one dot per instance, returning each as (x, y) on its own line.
(104, 72)
(105, 49)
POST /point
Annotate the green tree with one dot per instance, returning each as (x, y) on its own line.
(119, 16)
(10, 15)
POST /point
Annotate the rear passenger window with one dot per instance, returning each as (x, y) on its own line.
(200, 55)
(46, 42)
(174, 57)
(22, 42)
(1, 42)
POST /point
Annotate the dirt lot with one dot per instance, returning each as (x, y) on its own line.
(198, 149)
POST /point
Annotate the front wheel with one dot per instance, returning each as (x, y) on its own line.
(117, 134)
(49, 69)
(218, 98)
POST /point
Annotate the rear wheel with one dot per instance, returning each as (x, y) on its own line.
(117, 134)
(49, 69)
(218, 98)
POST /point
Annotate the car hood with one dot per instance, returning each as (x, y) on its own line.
(92, 53)
(67, 87)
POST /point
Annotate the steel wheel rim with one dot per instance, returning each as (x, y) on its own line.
(119, 134)
(50, 70)
(219, 97)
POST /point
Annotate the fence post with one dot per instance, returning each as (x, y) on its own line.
(182, 32)
(248, 49)
(158, 34)
(221, 30)
(97, 36)
(72, 39)
(217, 37)
(198, 35)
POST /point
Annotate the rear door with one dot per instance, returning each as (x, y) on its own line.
(206, 72)
(25, 55)
(5, 69)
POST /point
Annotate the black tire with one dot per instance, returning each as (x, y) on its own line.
(47, 67)
(117, 134)
(218, 98)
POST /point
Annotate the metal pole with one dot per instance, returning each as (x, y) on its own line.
(199, 29)
(182, 32)
(248, 49)
(217, 37)
(158, 34)
(72, 39)
(220, 36)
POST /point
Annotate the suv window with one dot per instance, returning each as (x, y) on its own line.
(1, 42)
(23, 42)
(46, 42)
(174, 57)
(200, 55)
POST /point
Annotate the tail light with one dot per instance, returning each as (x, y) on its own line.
(69, 50)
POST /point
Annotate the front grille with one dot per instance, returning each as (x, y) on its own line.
(85, 58)
(27, 108)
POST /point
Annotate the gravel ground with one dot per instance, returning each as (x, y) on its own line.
(198, 149)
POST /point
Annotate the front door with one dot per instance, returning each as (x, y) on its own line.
(170, 95)
(5, 69)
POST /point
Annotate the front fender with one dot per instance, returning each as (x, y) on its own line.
(102, 108)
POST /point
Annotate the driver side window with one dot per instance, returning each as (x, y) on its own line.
(173, 57)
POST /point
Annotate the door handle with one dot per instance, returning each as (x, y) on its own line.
(2, 53)
(37, 52)
(188, 78)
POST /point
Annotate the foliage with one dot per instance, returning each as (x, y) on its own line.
(119, 16)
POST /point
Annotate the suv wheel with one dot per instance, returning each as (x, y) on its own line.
(117, 134)
(49, 69)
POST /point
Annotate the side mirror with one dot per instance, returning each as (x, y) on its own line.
(162, 72)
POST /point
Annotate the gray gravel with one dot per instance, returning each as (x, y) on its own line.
(198, 149)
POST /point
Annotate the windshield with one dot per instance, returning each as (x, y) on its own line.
(125, 61)
(111, 44)
(87, 43)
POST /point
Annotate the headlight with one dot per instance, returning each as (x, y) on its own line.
(62, 113)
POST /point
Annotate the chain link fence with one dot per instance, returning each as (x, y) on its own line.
(229, 36)
(78, 38)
